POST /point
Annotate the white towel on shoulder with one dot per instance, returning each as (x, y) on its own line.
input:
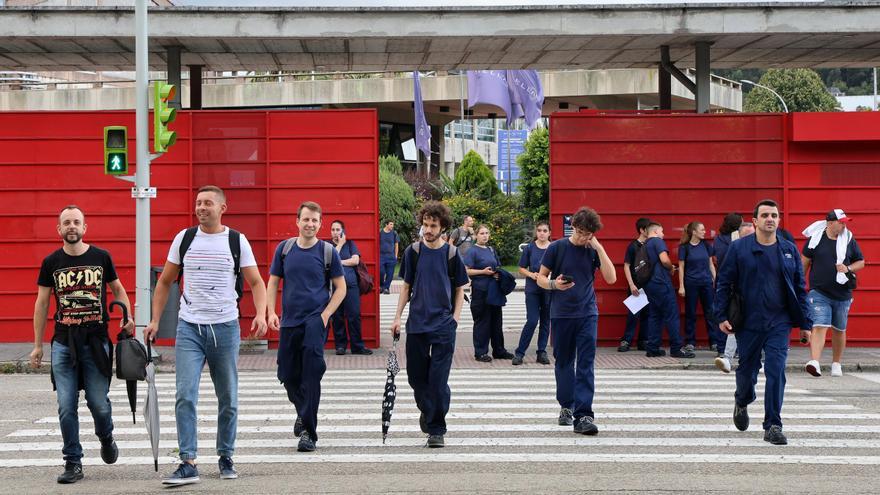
(815, 232)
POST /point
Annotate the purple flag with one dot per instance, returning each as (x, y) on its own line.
(489, 87)
(526, 92)
(423, 130)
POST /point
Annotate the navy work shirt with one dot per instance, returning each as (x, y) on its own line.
(387, 240)
(531, 261)
(696, 263)
(660, 274)
(580, 263)
(348, 250)
(305, 292)
(823, 267)
(430, 308)
(478, 258)
(722, 242)
(773, 291)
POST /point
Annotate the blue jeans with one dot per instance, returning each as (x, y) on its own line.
(706, 295)
(97, 386)
(774, 343)
(428, 361)
(301, 366)
(386, 273)
(537, 309)
(217, 344)
(664, 311)
(642, 320)
(574, 347)
(348, 315)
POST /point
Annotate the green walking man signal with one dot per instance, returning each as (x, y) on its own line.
(163, 115)
(116, 150)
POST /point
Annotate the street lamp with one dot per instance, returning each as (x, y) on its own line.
(784, 106)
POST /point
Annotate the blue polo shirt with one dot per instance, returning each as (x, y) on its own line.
(660, 275)
(478, 258)
(430, 308)
(531, 261)
(387, 240)
(696, 263)
(348, 250)
(580, 262)
(305, 291)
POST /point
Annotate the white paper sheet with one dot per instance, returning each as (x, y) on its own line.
(636, 303)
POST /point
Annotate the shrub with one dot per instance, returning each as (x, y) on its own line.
(534, 175)
(504, 216)
(474, 176)
(397, 203)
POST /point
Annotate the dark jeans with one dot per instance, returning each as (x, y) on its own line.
(348, 314)
(428, 361)
(537, 309)
(300, 369)
(487, 325)
(664, 312)
(774, 343)
(641, 319)
(706, 295)
(386, 273)
(97, 387)
(574, 347)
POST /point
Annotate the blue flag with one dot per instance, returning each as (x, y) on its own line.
(526, 92)
(517, 92)
(489, 87)
(423, 130)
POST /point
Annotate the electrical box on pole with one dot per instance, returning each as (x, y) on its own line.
(116, 150)
(163, 115)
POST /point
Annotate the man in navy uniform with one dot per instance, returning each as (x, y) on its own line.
(766, 271)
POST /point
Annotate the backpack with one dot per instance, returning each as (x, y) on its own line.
(234, 248)
(450, 265)
(365, 280)
(328, 259)
(642, 268)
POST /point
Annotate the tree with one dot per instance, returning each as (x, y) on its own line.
(474, 175)
(534, 175)
(802, 90)
(503, 215)
(396, 199)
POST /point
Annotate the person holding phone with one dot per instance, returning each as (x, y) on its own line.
(537, 299)
(348, 315)
(574, 315)
(482, 265)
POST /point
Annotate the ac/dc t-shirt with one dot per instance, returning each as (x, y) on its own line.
(79, 284)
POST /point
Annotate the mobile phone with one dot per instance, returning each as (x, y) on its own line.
(567, 278)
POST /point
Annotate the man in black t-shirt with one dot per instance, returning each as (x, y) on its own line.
(78, 275)
(640, 318)
(832, 256)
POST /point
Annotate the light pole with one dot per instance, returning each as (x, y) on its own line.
(784, 106)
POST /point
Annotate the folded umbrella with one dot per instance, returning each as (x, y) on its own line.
(151, 408)
(131, 360)
(392, 368)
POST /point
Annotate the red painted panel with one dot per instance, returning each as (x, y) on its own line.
(322, 123)
(666, 128)
(617, 176)
(339, 149)
(665, 200)
(666, 153)
(848, 199)
(835, 126)
(330, 199)
(301, 174)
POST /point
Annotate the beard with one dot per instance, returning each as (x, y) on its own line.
(72, 238)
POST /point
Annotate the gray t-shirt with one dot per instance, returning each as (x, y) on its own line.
(462, 239)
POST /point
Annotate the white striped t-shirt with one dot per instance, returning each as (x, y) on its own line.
(208, 281)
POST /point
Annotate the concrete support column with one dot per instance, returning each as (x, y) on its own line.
(664, 87)
(703, 67)
(173, 70)
(195, 87)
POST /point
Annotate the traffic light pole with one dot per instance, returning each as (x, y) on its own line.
(141, 191)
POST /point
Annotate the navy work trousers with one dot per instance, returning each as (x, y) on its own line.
(348, 312)
(574, 348)
(487, 325)
(428, 362)
(300, 368)
(774, 343)
(664, 312)
(537, 310)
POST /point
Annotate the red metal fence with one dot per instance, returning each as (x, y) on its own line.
(676, 168)
(267, 161)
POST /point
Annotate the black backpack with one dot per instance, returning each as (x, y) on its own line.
(642, 268)
(414, 261)
(234, 248)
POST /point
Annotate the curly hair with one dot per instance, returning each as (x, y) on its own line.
(587, 219)
(731, 223)
(436, 210)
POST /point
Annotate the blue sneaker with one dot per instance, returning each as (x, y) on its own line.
(185, 474)
(227, 470)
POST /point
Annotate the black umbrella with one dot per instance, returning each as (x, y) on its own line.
(131, 360)
(392, 368)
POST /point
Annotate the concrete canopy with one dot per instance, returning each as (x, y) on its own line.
(770, 34)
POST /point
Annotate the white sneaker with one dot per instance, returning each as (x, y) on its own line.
(812, 367)
(723, 364)
(836, 369)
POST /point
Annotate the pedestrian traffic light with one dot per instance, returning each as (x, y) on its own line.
(163, 115)
(116, 150)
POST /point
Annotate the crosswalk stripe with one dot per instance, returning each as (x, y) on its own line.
(459, 399)
(512, 390)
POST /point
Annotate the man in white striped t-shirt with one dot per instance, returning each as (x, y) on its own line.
(207, 328)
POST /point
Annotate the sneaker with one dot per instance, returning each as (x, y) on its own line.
(298, 427)
(363, 352)
(723, 364)
(566, 418)
(775, 436)
(713, 347)
(73, 472)
(517, 360)
(504, 355)
(305, 443)
(227, 470)
(741, 417)
(109, 451)
(683, 353)
(623, 347)
(641, 345)
(585, 426)
(542, 357)
(485, 358)
(340, 351)
(436, 442)
(423, 423)
(658, 353)
(689, 348)
(185, 474)
(836, 369)
(812, 367)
